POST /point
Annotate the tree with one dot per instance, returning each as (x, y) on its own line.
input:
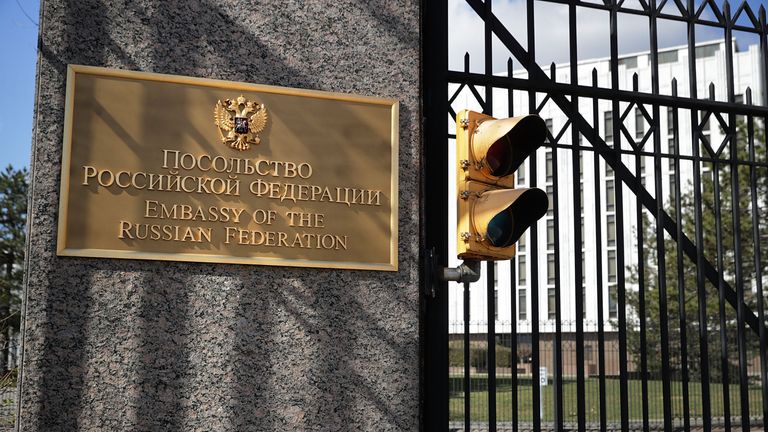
(721, 323)
(13, 220)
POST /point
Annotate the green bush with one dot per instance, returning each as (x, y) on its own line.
(478, 355)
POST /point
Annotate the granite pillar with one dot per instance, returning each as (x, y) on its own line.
(122, 345)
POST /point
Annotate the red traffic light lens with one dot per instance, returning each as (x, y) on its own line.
(499, 157)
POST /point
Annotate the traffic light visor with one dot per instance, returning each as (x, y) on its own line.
(504, 215)
(504, 144)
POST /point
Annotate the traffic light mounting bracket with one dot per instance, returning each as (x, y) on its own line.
(467, 272)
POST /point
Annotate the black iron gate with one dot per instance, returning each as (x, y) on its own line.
(642, 292)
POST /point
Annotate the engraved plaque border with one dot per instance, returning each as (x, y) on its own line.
(62, 250)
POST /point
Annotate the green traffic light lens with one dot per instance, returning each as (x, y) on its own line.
(500, 229)
(507, 226)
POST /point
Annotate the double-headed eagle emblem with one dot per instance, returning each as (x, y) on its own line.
(239, 122)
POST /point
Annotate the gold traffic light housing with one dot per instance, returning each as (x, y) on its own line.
(492, 214)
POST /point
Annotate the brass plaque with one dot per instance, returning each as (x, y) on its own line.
(175, 168)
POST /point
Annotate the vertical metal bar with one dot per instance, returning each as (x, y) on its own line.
(488, 57)
(513, 287)
(467, 359)
(753, 176)
(599, 264)
(736, 215)
(764, 54)
(491, 329)
(435, 209)
(557, 346)
(534, 286)
(641, 287)
(721, 285)
(491, 338)
(721, 299)
(760, 297)
(662, 281)
(577, 234)
(661, 259)
(681, 299)
(706, 411)
(620, 286)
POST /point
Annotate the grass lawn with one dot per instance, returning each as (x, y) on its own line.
(479, 401)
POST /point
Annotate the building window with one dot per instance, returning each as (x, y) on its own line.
(672, 144)
(613, 306)
(609, 126)
(583, 301)
(670, 121)
(583, 240)
(610, 196)
(522, 270)
(548, 122)
(551, 304)
(550, 234)
(521, 243)
(639, 124)
(610, 230)
(642, 170)
(739, 98)
(551, 268)
(581, 198)
(521, 173)
(608, 171)
(495, 305)
(707, 51)
(668, 57)
(495, 274)
(522, 304)
(672, 186)
(551, 195)
(611, 266)
(581, 164)
(548, 165)
(629, 63)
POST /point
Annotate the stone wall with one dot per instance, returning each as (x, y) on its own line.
(115, 345)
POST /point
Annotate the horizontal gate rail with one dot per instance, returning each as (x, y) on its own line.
(543, 84)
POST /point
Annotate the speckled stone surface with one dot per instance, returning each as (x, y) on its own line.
(119, 345)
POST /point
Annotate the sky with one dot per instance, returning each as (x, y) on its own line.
(18, 51)
(18, 58)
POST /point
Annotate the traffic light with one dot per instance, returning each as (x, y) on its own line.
(492, 214)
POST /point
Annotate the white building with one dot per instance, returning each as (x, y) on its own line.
(673, 63)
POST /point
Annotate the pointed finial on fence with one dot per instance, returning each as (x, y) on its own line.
(748, 96)
(594, 76)
(712, 90)
(635, 83)
(674, 87)
(552, 71)
(466, 62)
(761, 12)
(510, 67)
